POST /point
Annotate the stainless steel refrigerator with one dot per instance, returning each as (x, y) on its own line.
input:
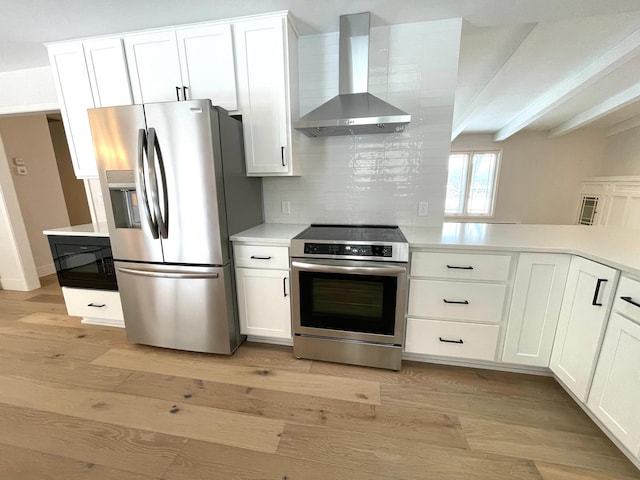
(174, 188)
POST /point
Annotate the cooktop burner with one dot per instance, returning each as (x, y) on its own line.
(351, 242)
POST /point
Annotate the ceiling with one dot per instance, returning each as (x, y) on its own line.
(550, 65)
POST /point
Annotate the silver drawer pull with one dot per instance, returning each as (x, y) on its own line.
(463, 302)
(258, 257)
(450, 341)
(97, 305)
(455, 267)
(630, 300)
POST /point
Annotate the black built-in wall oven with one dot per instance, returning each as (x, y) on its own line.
(349, 287)
(83, 261)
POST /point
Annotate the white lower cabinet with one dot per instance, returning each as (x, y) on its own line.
(583, 315)
(100, 307)
(264, 290)
(535, 308)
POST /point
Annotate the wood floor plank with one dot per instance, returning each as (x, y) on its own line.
(200, 460)
(91, 334)
(53, 319)
(22, 308)
(402, 422)
(179, 419)
(176, 364)
(113, 446)
(552, 471)
(25, 464)
(61, 370)
(407, 460)
(50, 348)
(518, 411)
(565, 448)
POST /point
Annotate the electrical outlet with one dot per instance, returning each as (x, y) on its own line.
(286, 207)
(423, 209)
(21, 170)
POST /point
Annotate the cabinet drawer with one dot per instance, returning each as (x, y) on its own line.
(83, 302)
(451, 339)
(255, 256)
(630, 290)
(482, 302)
(464, 266)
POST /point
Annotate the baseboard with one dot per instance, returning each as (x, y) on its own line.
(275, 341)
(104, 322)
(16, 284)
(504, 367)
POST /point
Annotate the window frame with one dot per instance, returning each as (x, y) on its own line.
(467, 181)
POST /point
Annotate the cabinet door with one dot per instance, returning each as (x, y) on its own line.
(206, 62)
(263, 302)
(535, 307)
(108, 74)
(154, 67)
(262, 86)
(75, 97)
(615, 393)
(585, 307)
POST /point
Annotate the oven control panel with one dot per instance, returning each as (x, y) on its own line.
(348, 250)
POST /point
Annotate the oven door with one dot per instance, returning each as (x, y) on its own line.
(355, 300)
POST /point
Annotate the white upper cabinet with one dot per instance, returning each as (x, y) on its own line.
(206, 62)
(75, 97)
(108, 74)
(583, 315)
(154, 67)
(184, 64)
(263, 60)
(535, 308)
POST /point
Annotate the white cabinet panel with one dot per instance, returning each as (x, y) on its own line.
(615, 393)
(260, 51)
(263, 302)
(154, 67)
(261, 256)
(206, 63)
(478, 302)
(585, 307)
(94, 304)
(108, 73)
(463, 266)
(535, 307)
(451, 339)
(75, 96)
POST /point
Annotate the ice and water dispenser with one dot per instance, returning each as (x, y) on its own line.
(123, 197)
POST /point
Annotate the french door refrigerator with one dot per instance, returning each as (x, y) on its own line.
(174, 188)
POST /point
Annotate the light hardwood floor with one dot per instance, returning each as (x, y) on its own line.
(79, 402)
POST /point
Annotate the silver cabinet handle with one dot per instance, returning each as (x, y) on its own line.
(166, 274)
(354, 270)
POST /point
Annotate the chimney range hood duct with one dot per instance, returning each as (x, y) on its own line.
(354, 111)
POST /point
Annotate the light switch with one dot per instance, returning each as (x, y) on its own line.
(423, 209)
(18, 161)
(286, 207)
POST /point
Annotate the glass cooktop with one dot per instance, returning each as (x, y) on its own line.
(352, 233)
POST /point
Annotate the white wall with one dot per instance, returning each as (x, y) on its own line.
(29, 90)
(622, 154)
(539, 177)
(376, 178)
(39, 192)
(17, 269)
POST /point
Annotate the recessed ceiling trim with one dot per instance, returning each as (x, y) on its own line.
(623, 126)
(600, 67)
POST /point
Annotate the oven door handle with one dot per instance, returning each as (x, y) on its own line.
(312, 267)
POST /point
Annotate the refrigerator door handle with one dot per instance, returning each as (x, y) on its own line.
(142, 183)
(166, 273)
(162, 214)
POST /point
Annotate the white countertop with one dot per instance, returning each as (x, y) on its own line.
(85, 230)
(269, 234)
(617, 247)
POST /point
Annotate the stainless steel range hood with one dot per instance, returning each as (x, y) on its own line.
(354, 111)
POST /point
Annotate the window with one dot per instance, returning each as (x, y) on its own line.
(471, 184)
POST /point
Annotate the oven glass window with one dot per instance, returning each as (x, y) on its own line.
(356, 303)
(80, 262)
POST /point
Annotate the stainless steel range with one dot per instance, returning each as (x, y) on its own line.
(348, 293)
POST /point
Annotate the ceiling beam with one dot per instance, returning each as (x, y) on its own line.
(628, 124)
(599, 68)
(621, 100)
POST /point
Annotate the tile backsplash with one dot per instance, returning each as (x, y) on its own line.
(377, 178)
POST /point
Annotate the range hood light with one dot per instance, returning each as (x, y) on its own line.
(354, 111)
